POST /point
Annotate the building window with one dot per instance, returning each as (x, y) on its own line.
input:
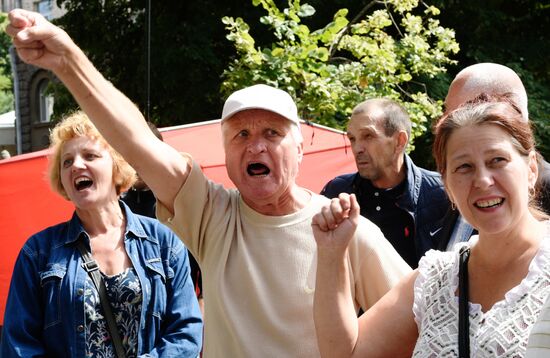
(45, 8)
(45, 102)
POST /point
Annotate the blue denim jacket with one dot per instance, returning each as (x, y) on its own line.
(45, 308)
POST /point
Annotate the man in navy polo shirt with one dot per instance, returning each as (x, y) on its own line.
(406, 202)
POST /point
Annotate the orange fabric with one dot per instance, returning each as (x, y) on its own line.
(28, 204)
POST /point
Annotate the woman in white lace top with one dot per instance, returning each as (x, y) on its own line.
(485, 153)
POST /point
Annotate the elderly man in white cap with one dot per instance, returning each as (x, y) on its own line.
(255, 245)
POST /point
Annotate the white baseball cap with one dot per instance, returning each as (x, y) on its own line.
(261, 97)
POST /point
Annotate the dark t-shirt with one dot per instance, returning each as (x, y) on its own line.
(141, 202)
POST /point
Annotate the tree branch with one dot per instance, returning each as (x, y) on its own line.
(346, 29)
(340, 59)
(392, 19)
(403, 91)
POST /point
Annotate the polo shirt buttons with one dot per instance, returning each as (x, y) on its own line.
(378, 208)
(80, 291)
(80, 328)
(376, 193)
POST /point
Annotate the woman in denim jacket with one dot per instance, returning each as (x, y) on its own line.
(53, 307)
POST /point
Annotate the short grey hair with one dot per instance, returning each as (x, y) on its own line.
(395, 116)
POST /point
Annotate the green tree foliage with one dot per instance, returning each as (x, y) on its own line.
(112, 35)
(188, 52)
(515, 33)
(6, 85)
(382, 52)
(6, 101)
(5, 43)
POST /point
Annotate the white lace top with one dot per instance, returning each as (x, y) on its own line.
(500, 332)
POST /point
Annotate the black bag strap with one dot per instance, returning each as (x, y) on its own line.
(463, 311)
(91, 267)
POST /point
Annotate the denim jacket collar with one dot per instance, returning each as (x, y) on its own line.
(134, 229)
(133, 225)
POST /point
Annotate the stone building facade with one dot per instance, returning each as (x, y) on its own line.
(33, 106)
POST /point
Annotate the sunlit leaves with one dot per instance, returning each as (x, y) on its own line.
(330, 70)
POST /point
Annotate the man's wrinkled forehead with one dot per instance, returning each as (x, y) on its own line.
(255, 116)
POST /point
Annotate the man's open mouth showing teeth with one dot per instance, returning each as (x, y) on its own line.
(255, 169)
(82, 183)
(489, 203)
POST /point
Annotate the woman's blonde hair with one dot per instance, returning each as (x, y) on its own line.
(76, 125)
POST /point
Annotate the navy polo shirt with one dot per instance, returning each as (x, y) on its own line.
(379, 206)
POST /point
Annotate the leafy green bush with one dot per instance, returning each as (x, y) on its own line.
(6, 101)
(382, 52)
(5, 43)
(6, 95)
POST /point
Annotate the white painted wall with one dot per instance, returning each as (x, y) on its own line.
(7, 129)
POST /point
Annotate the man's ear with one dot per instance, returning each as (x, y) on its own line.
(402, 141)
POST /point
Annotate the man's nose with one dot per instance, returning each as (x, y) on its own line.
(358, 148)
(256, 146)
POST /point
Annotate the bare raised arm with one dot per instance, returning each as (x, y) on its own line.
(333, 310)
(387, 329)
(42, 44)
